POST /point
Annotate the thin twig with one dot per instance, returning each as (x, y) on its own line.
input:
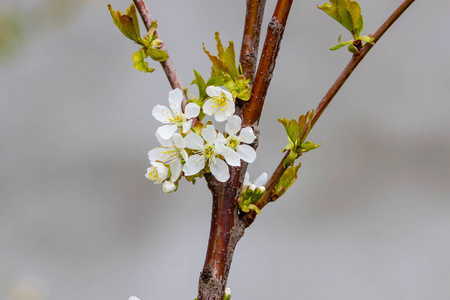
(249, 217)
(356, 59)
(167, 65)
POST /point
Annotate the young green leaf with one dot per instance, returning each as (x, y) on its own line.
(128, 24)
(225, 61)
(201, 85)
(347, 13)
(139, 63)
(286, 181)
(156, 54)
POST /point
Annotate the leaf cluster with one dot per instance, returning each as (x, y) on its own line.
(297, 131)
(128, 24)
(348, 14)
(248, 197)
(224, 72)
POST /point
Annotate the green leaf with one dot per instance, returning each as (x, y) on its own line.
(225, 61)
(347, 13)
(307, 146)
(286, 181)
(292, 129)
(215, 81)
(139, 63)
(367, 39)
(156, 54)
(128, 24)
(201, 85)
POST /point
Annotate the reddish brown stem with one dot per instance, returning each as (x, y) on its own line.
(226, 230)
(253, 108)
(250, 38)
(167, 65)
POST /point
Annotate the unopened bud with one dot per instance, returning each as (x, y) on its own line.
(168, 187)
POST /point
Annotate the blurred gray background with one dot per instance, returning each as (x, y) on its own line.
(369, 217)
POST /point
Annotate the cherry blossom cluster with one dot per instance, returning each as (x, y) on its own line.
(189, 149)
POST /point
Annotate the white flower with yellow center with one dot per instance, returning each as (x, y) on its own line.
(158, 172)
(237, 142)
(170, 152)
(220, 104)
(207, 153)
(174, 116)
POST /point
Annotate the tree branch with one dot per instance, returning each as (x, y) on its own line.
(250, 38)
(249, 217)
(167, 65)
(253, 108)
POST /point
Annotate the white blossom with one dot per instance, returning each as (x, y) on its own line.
(237, 142)
(220, 104)
(158, 172)
(170, 152)
(207, 153)
(174, 117)
(133, 298)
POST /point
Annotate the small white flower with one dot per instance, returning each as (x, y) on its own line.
(170, 152)
(158, 172)
(168, 187)
(133, 298)
(175, 117)
(259, 182)
(208, 153)
(221, 103)
(227, 292)
(235, 142)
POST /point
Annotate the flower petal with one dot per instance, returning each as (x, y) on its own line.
(191, 110)
(167, 131)
(194, 141)
(220, 170)
(214, 91)
(220, 115)
(187, 126)
(194, 164)
(246, 153)
(161, 154)
(228, 95)
(231, 157)
(220, 139)
(175, 99)
(246, 135)
(178, 141)
(163, 142)
(246, 178)
(175, 170)
(261, 180)
(209, 107)
(233, 125)
(209, 134)
(162, 113)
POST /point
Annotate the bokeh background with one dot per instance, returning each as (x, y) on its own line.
(369, 217)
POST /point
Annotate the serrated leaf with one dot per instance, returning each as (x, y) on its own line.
(156, 54)
(225, 61)
(286, 181)
(139, 63)
(347, 13)
(200, 83)
(128, 24)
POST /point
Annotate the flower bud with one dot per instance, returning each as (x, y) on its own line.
(168, 187)
(252, 187)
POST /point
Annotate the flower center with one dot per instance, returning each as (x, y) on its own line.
(209, 151)
(153, 174)
(220, 101)
(232, 142)
(178, 119)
